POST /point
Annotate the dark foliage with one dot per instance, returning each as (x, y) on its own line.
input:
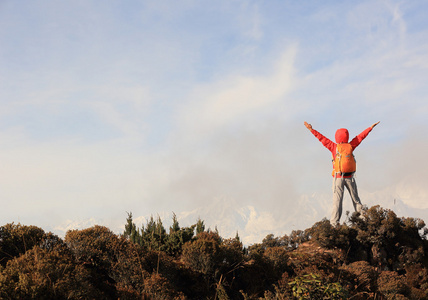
(16, 239)
(375, 255)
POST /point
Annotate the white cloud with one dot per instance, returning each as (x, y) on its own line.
(229, 99)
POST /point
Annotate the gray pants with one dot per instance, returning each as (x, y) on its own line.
(338, 188)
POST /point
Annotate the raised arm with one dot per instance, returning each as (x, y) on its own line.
(325, 141)
(359, 138)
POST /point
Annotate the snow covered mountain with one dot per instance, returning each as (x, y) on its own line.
(254, 222)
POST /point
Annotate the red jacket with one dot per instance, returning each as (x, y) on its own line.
(341, 136)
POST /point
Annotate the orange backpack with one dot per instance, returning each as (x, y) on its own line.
(344, 161)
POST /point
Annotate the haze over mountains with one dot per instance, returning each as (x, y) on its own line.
(252, 222)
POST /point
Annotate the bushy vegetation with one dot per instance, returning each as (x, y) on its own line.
(376, 255)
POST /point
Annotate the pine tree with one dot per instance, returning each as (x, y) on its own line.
(131, 230)
(175, 227)
(200, 226)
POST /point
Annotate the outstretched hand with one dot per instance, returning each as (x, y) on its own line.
(309, 126)
(375, 124)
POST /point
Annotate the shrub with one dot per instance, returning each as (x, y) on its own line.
(202, 254)
(361, 276)
(44, 274)
(311, 286)
(327, 236)
(278, 258)
(392, 285)
(16, 239)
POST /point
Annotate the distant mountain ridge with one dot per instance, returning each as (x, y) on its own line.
(252, 222)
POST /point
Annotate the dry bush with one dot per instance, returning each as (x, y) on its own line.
(362, 277)
(46, 274)
(159, 288)
(202, 254)
(392, 285)
(417, 280)
(16, 239)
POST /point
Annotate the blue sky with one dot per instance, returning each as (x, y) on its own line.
(154, 107)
